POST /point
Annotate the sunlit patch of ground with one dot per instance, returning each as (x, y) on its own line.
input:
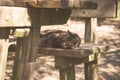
(109, 65)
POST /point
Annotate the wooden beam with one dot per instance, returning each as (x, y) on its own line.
(83, 51)
(105, 8)
(85, 8)
(14, 17)
(65, 62)
(67, 73)
(4, 33)
(19, 16)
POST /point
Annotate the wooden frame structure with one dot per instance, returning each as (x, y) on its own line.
(27, 49)
(84, 8)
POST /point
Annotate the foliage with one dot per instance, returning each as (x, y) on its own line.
(118, 13)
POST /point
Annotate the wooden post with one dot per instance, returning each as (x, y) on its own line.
(67, 73)
(27, 48)
(18, 64)
(26, 51)
(90, 30)
(91, 68)
(4, 33)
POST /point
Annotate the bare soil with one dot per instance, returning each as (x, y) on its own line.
(109, 65)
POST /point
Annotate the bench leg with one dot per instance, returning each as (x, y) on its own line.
(67, 73)
(91, 70)
(26, 51)
(4, 33)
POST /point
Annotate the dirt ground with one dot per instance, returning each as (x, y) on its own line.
(109, 66)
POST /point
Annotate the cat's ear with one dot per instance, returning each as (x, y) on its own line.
(69, 32)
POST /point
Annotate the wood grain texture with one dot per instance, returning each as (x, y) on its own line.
(18, 61)
(83, 8)
(3, 51)
(23, 17)
(91, 67)
(83, 4)
(67, 73)
(90, 30)
(76, 53)
(91, 70)
(65, 62)
(25, 56)
(105, 8)
(26, 51)
(14, 16)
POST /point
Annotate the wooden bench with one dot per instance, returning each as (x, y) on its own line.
(66, 59)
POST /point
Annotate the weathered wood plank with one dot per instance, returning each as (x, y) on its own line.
(87, 8)
(63, 52)
(82, 4)
(25, 56)
(91, 68)
(83, 51)
(51, 16)
(65, 62)
(67, 73)
(105, 8)
(90, 30)
(18, 63)
(3, 51)
(14, 16)
(9, 16)
(17, 3)
(21, 17)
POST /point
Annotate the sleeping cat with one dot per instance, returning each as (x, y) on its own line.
(59, 39)
(53, 39)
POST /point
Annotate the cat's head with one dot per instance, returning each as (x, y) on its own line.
(71, 40)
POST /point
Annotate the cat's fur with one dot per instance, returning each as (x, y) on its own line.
(54, 39)
(59, 39)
